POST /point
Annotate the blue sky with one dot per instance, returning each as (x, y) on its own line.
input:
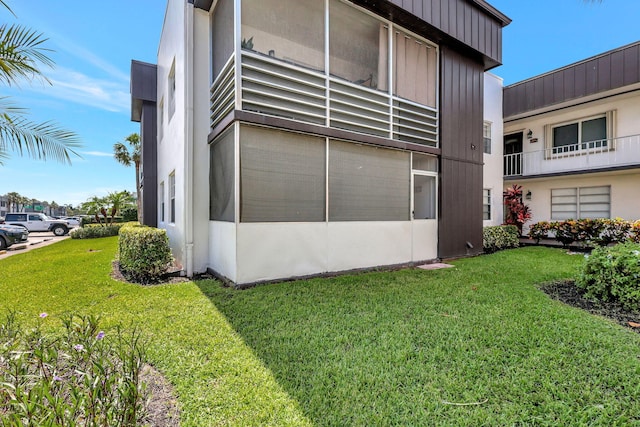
(94, 42)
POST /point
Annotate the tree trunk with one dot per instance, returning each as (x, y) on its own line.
(139, 198)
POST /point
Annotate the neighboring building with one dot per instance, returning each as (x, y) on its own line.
(298, 137)
(572, 138)
(4, 205)
(492, 183)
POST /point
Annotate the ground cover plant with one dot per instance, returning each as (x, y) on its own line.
(478, 344)
(83, 376)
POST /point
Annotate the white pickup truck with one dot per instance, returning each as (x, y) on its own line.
(38, 222)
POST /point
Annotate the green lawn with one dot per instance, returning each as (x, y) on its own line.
(401, 348)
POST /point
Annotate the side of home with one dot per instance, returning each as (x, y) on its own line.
(572, 138)
(298, 137)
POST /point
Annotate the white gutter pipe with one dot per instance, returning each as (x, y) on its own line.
(188, 138)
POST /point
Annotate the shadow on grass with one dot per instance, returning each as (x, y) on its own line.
(475, 345)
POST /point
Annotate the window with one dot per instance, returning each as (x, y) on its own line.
(415, 65)
(368, 183)
(486, 134)
(172, 197)
(582, 202)
(282, 176)
(160, 119)
(222, 177)
(172, 89)
(162, 196)
(424, 196)
(358, 47)
(486, 204)
(222, 35)
(289, 30)
(581, 135)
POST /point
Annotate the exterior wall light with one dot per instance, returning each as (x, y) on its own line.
(528, 195)
(529, 134)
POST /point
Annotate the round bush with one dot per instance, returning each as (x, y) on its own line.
(495, 238)
(613, 274)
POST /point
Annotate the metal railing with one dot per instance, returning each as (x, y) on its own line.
(601, 154)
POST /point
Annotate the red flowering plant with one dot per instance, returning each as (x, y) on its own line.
(517, 213)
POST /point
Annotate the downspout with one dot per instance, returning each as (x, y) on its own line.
(188, 138)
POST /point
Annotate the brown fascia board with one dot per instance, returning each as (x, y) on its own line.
(202, 4)
(405, 18)
(504, 19)
(143, 86)
(625, 58)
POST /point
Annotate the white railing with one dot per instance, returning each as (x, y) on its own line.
(285, 89)
(602, 154)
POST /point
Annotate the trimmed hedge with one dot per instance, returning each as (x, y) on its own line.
(498, 237)
(613, 274)
(143, 253)
(93, 232)
(587, 231)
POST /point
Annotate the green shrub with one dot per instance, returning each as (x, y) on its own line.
(599, 231)
(82, 376)
(495, 238)
(634, 233)
(95, 231)
(613, 274)
(129, 214)
(539, 230)
(143, 253)
(613, 231)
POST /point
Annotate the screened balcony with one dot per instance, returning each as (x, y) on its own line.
(325, 63)
(593, 155)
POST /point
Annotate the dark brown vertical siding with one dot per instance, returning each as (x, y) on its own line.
(610, 70)
(461, 116)
(632, 66)
(604, 73)
(617, 69)
(465, 21)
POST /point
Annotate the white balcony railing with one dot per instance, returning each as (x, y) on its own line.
(616, 152)
(285, 89)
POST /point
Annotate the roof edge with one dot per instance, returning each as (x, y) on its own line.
(504, 19)
(582, 61)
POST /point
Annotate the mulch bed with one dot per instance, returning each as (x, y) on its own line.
(567, 292)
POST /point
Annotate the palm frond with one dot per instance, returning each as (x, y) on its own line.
(21, 54)
(3, 3)
(36, 140)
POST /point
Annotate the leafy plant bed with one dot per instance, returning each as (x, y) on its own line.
(567, 292)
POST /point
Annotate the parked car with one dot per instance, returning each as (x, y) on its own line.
(11, 234)
(38, 222)
(73, 221)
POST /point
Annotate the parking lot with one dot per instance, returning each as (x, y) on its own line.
(37, 239)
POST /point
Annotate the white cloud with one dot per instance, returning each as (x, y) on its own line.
(97, 153)
(77, 87)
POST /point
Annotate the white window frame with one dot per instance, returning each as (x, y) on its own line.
(162, 202)
(579, 205)
(161, 119)
(486, 135)
(486, 201)
(580, 147)
(171, 89)
(172, 197)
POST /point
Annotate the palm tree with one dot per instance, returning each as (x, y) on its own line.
(12, 200)
(94, 206)
(127, 158)
(118, 201)
(21, 55)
